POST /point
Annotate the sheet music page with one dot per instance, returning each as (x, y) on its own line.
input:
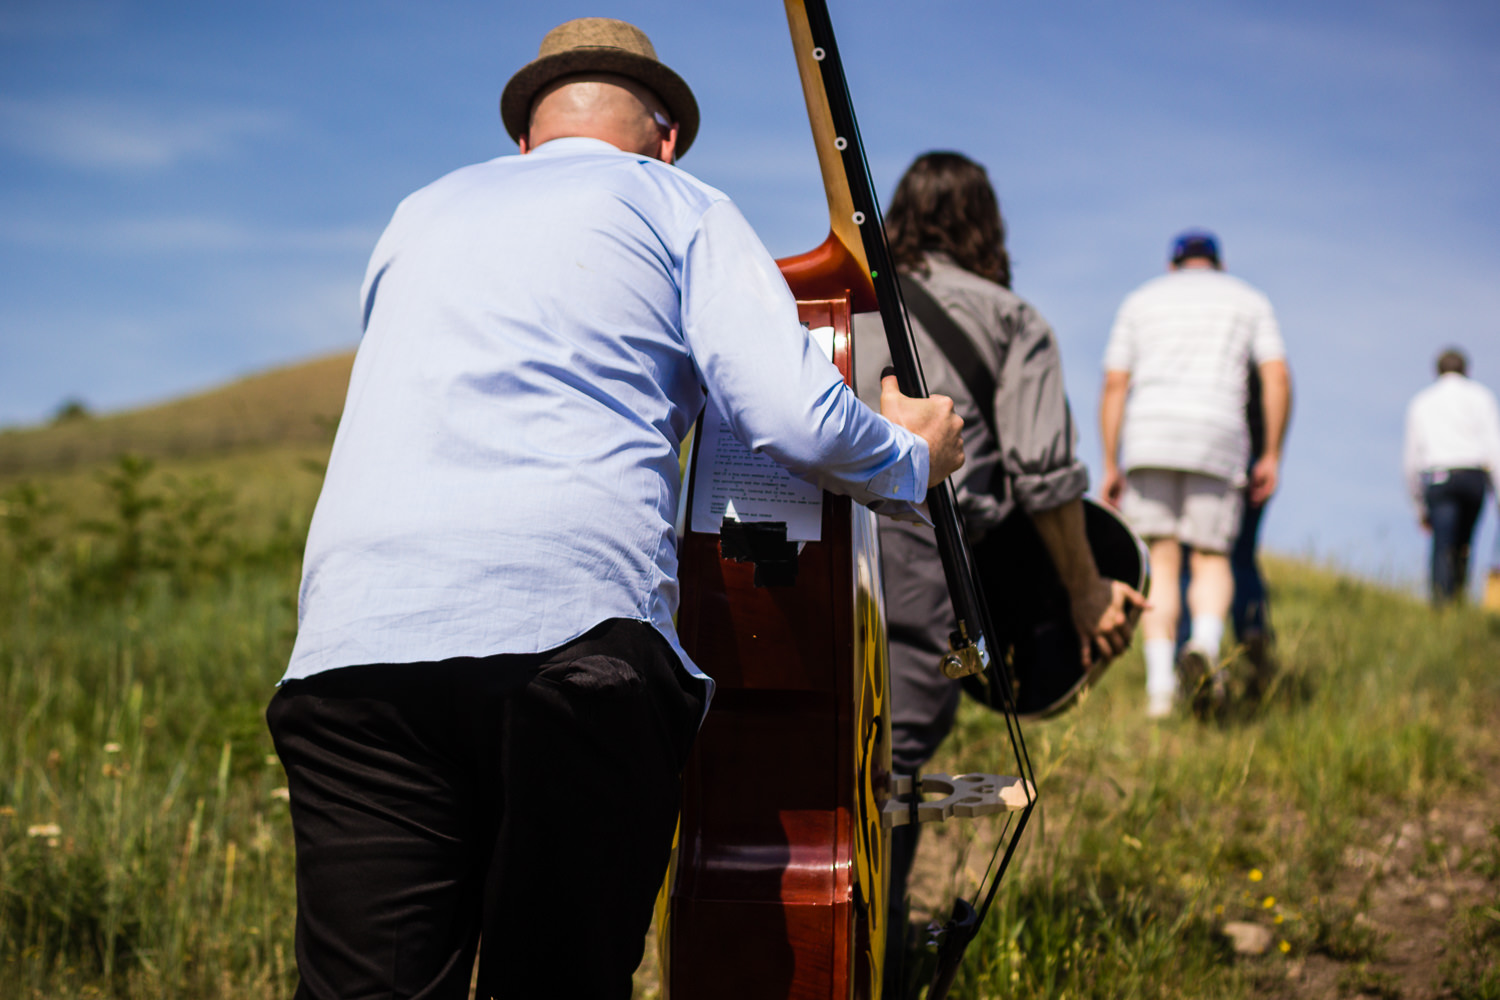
(731, 479)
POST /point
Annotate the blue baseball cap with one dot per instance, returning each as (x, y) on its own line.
(1195, 243)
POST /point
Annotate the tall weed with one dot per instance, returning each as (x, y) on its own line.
(145, 849)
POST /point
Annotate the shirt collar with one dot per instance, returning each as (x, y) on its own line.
(940, 259)
(576, 144)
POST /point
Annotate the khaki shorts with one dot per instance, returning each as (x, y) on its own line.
(1196, 509)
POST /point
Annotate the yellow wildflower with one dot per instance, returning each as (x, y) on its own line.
(1268, 902)
(1255, 875)
(1285, 946)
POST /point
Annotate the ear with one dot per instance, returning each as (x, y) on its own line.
(669, 145)
(524, 143)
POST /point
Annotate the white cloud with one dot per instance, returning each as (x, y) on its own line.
(179, 234)
(93, 133)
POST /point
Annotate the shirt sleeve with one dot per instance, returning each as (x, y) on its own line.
(779, 392)
(1033, 420)
(1491, 437)
(1119, 350)
(1265, 341)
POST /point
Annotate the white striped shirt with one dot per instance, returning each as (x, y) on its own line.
(1188, 339)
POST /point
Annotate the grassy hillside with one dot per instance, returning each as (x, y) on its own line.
(1352, 815)
(145, 851)
(299, 404)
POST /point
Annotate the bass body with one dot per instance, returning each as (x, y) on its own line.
(779, 882)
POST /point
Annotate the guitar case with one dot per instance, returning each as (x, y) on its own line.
(1031, 611)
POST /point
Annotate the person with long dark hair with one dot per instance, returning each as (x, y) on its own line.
(947, 234)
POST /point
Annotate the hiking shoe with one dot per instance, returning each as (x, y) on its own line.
(1263, 665)
(1194, 683)
(1159, 704)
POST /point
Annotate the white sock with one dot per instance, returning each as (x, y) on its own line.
(1207, 634)
(1161, 677)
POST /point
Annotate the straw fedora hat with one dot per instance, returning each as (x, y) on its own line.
(598, 45)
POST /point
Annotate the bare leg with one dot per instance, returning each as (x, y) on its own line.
(1210, 591)
(1212, 586)
(1159, 621)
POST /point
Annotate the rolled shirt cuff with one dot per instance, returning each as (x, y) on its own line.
(1048, 490)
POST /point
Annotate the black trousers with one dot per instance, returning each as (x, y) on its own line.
(527, 802)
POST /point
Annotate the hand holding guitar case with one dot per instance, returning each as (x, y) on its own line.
(1031, 609)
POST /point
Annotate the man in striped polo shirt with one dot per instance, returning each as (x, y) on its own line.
(1176, 446)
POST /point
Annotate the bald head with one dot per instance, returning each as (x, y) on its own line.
(604, 106)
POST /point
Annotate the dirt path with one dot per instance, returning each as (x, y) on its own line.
(1401, 900)
(1410, 894)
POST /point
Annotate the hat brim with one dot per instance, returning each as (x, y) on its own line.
(531, 79)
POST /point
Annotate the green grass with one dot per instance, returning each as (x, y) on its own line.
(145, 849)
(1152, 836)
(1472, 972)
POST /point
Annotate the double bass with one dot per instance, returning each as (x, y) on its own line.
(778, 887)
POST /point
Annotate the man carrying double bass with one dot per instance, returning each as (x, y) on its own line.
(487, 708)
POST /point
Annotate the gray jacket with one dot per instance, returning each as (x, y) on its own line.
(1039, 457)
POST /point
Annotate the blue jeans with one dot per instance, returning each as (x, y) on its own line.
(1250, 611)
(1453, 501)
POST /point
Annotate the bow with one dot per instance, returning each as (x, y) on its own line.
(856, 222)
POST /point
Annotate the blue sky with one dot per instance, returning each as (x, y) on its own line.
(189, 191)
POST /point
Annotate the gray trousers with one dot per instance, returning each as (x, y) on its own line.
(919, 616)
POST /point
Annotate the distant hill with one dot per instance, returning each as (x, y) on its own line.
(299, 404)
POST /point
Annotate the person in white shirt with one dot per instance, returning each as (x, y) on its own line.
(1176, 446)
(1452, 455)
(487, 708)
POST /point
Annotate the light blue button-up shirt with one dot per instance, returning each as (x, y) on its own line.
(540, 333)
